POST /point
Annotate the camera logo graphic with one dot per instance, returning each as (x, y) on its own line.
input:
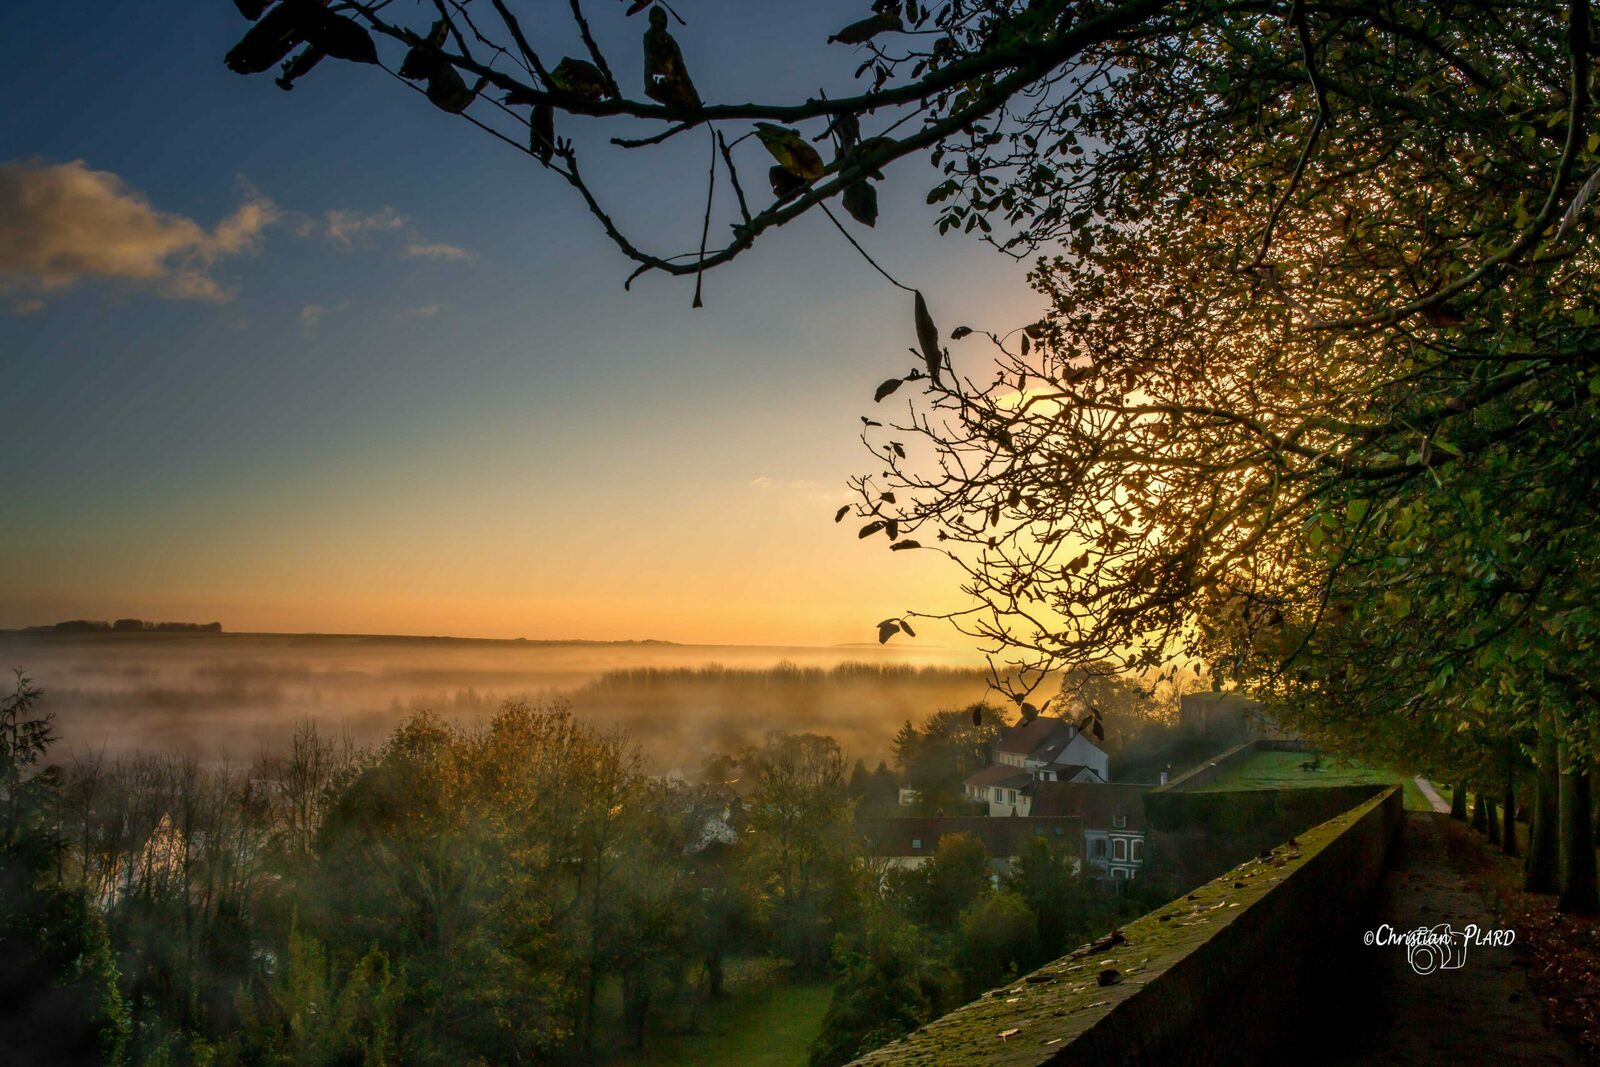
(1438, 949)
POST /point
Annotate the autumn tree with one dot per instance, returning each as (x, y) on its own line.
(59, 1001)
(938, 756)
(801, 859)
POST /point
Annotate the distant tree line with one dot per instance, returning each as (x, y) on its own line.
(100, 626)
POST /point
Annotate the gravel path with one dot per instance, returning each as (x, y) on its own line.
(1431, 795)
(1481, 1012)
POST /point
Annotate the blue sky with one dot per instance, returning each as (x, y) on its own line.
(490, 438)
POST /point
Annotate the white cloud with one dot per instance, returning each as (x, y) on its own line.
(62, 223)
(436, 250)
(310, 315)
(347, 228)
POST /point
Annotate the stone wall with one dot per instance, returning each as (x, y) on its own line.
(1227, 974)
(1193, 837)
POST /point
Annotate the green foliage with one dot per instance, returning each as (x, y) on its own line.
(955, 876)
(999, 939)
(937, 757)
(1047, 880)
(312, 1017)
(876, 794)
(801, 865)
(886, 986)
(59, 1000)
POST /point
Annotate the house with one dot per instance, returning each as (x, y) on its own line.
(1052, 748)
(1041, 749)
(1224, 718)
(1113, 823)
(911, 842)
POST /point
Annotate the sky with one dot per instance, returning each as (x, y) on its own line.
(333, 361)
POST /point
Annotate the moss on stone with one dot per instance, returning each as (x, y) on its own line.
(1038, 1017)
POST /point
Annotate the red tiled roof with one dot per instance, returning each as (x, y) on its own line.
(1023, 738)
(1001, 774)
(1002, 836)
(1094, 803)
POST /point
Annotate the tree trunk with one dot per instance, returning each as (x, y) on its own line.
(1594, 810)
(1480, 813)
(635, 1005)
(1492, 822)
(1458, 801)
(1579, 890)
(1508, 828)
(714, 973)
(1543, 851)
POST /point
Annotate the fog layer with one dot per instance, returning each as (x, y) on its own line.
(234, 695)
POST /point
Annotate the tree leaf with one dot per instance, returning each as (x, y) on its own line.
(886, 388)
(341, 37)
(266, 43)
(791, 151)
(860, 199)
(865, 30)
(424, 59)
(542, 132)
(906, 626)
(579, 78)
(666, 79)
(870, 528)
(887, 629)
(927, 336)
(959, 332)
(447, 92)
(839, 515)
(784, 184)
(900, 546)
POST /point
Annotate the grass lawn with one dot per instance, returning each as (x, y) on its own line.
(1280, 770)
(764, 1021)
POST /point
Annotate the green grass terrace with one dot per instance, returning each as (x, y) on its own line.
(1288, 770)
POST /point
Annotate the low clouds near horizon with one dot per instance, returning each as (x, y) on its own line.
(66, 223)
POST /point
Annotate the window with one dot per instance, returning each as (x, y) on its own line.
(1119, 873)
(916, 842)
(1059, 831)
(1119, 849)
(1097, 848)
(1119, 821)
(1137, 852)
(1011, 795)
